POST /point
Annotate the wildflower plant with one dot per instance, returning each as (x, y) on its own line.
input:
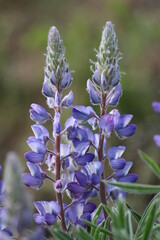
(76, 160)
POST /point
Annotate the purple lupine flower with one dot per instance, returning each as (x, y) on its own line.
(85, 180)
(57, 128)
(38, 113)
(67, 101)
(123, 128)
(156, 107)
(80, 211)
(81, 148)
(36, 145)
(57, 100)
(66, 81)
(47, 90)
(83, 113)
(2, 191)
(35, 178)
(121, 124)
(48, 212)
(94, 93)
(106, 122)
(157, 140)
(53, 79)
(96, 143)
(34, 157)
(121, 168)
(114, 96)
(65, 150)
(58, 186)
(40, 132)
(93, 170)
(83, 160)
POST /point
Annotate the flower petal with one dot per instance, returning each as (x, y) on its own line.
(89, 207)
(124, 171)
(157, 140)
(94, 94)
(124, 120)
(106, 122)
(31, 181)
(67, 101)
(76, 189)
(38, 218)
(156, 107)
(129, 178)
(40, 132)
(115, 95)
(127, 131)
(115, 152)
(81, 178)
(118, 163)
(50, 219)
(82, 113)
(83, 160)
(36, 145)
(34, 157)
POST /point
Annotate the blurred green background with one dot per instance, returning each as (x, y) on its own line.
(24, 27)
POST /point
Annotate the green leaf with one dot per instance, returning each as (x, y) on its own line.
(83, 234)
(144, 216)
(94, 226)
(147, 232)
(95, 218)
(150, 162)
(61, 235)
(105, 227)
(97, 232)
(136, 216)
(129, 225)
(135, 187)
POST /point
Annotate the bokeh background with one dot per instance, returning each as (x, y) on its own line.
(24, 27)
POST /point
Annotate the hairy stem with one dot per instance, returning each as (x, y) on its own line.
(58, 176)
(101, 158)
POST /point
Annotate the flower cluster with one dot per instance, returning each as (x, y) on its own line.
(15, 209)
(4, 231)
(156, 108)
(77, 157)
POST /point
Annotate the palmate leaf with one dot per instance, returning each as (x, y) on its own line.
(135, 187)
(150, 162)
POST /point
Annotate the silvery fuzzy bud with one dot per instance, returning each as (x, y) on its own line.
(106, 74)
(56, 70)
(17, 202)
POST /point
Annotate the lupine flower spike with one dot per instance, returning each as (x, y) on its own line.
(156, 108)
(105, 90)
(74, 169)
